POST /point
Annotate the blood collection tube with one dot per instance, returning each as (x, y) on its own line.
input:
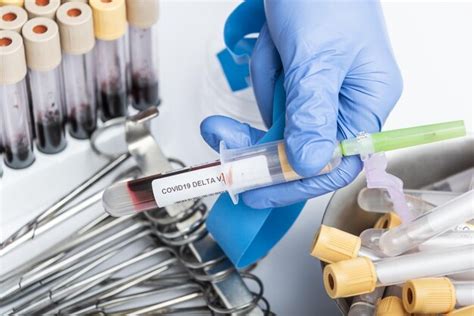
(433, 223)
(142, 16)
(110, 27)
(18, 3)
(77, 40)
(43, 56)
(14, 107)
(42, 8)
(436, 295)
(419, 201)
(361, 275)
(12, 18)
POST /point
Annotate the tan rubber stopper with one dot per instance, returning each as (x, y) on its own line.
(429, 295)
(391, 306)
(12, 58)
(110, 18)
(350, 277)
(333, 245)
(465, 311)
(12, 18)
(388, 220)
(76, 28)
(42, 8)
(142, 13)
(42, 46)
(18, 3)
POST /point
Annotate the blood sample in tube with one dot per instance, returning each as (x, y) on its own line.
(14, 107)
(42, 35)
(143, 17)
(110, 59)
(77, 39)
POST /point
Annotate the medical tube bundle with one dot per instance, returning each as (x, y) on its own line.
(436, 295)
(42, 8)
(243, 169)
(77, 40)
(12, 18)
(427, 226)
(43, 56)
(110, 61)
(16, 132)
(361, 275)
(142, 16)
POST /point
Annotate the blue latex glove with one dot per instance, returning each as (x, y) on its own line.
(340, 78)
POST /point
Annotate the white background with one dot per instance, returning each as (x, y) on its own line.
(433, 45)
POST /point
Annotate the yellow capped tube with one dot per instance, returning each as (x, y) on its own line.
(436, 295)
(361, 275)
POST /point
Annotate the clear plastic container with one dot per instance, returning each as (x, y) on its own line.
(16, 130)
(431, 224)
(111, 78)
(48, 110)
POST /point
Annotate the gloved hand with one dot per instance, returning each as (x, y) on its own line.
(340, 78)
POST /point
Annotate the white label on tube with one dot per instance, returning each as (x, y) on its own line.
(188, 185)
(248, 173)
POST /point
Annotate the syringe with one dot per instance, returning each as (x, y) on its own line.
(248, 168)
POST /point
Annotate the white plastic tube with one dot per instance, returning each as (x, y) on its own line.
(424, 264)
(407, 236)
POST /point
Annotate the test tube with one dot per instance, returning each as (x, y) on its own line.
(43, 56)
(439, 220)
(142, 16)
(436, 295)
(110, 62)
(42, 8)
(77, 40)
(14, 107)
(12, 18)
(361, 275)
(419, 201)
